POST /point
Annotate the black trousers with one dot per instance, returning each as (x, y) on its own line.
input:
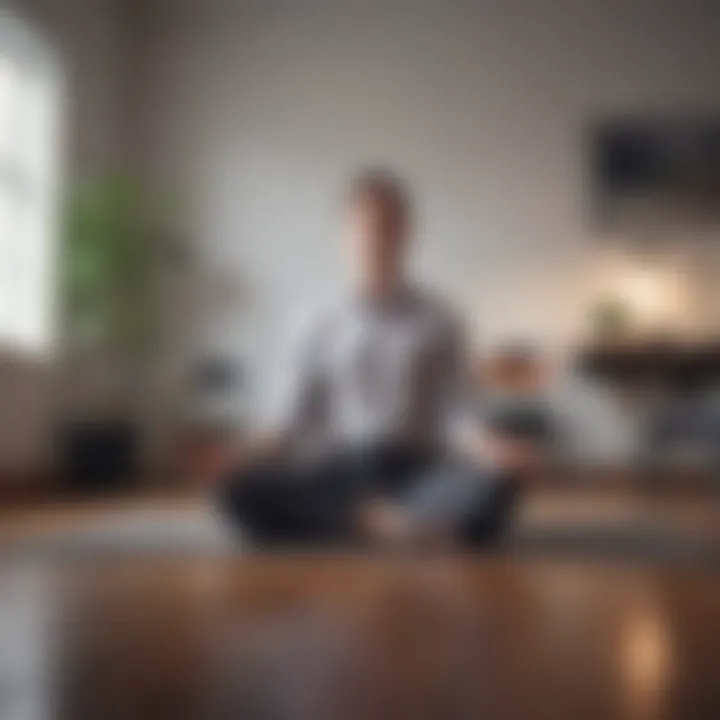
(285, 503)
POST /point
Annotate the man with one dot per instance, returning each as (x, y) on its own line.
(379, 391)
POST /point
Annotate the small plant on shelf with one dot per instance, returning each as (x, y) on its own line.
(611, 319)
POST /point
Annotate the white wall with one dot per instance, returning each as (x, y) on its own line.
(88, 37)
(259, 110)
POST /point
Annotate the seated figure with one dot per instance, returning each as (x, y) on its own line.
(380, 439)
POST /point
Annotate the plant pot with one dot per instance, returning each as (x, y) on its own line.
(99, 454)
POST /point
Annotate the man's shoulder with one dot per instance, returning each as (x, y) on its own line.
(320, 321)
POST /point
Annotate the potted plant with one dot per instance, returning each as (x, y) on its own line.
(611, 319)
(115, 247)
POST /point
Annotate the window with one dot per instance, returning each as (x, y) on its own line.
(29, 104)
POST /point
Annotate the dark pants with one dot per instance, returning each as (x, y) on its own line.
(316, 503)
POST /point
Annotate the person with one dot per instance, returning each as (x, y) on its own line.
(378, 440)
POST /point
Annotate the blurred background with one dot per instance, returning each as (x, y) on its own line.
(170, 179)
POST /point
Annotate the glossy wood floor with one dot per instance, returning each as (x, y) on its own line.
(352, 638)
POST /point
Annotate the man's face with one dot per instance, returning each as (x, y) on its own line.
(375, 231)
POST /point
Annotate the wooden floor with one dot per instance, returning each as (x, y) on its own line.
(605, 521)
(353, 637)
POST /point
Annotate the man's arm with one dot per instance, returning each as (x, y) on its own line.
(301, 412)
(303, 402)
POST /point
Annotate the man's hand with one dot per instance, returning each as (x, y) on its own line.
(512, 454)
(224, 458)
(501, 452)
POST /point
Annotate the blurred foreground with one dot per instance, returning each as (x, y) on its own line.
(356, 638)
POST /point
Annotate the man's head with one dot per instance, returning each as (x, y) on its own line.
(378, 217)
